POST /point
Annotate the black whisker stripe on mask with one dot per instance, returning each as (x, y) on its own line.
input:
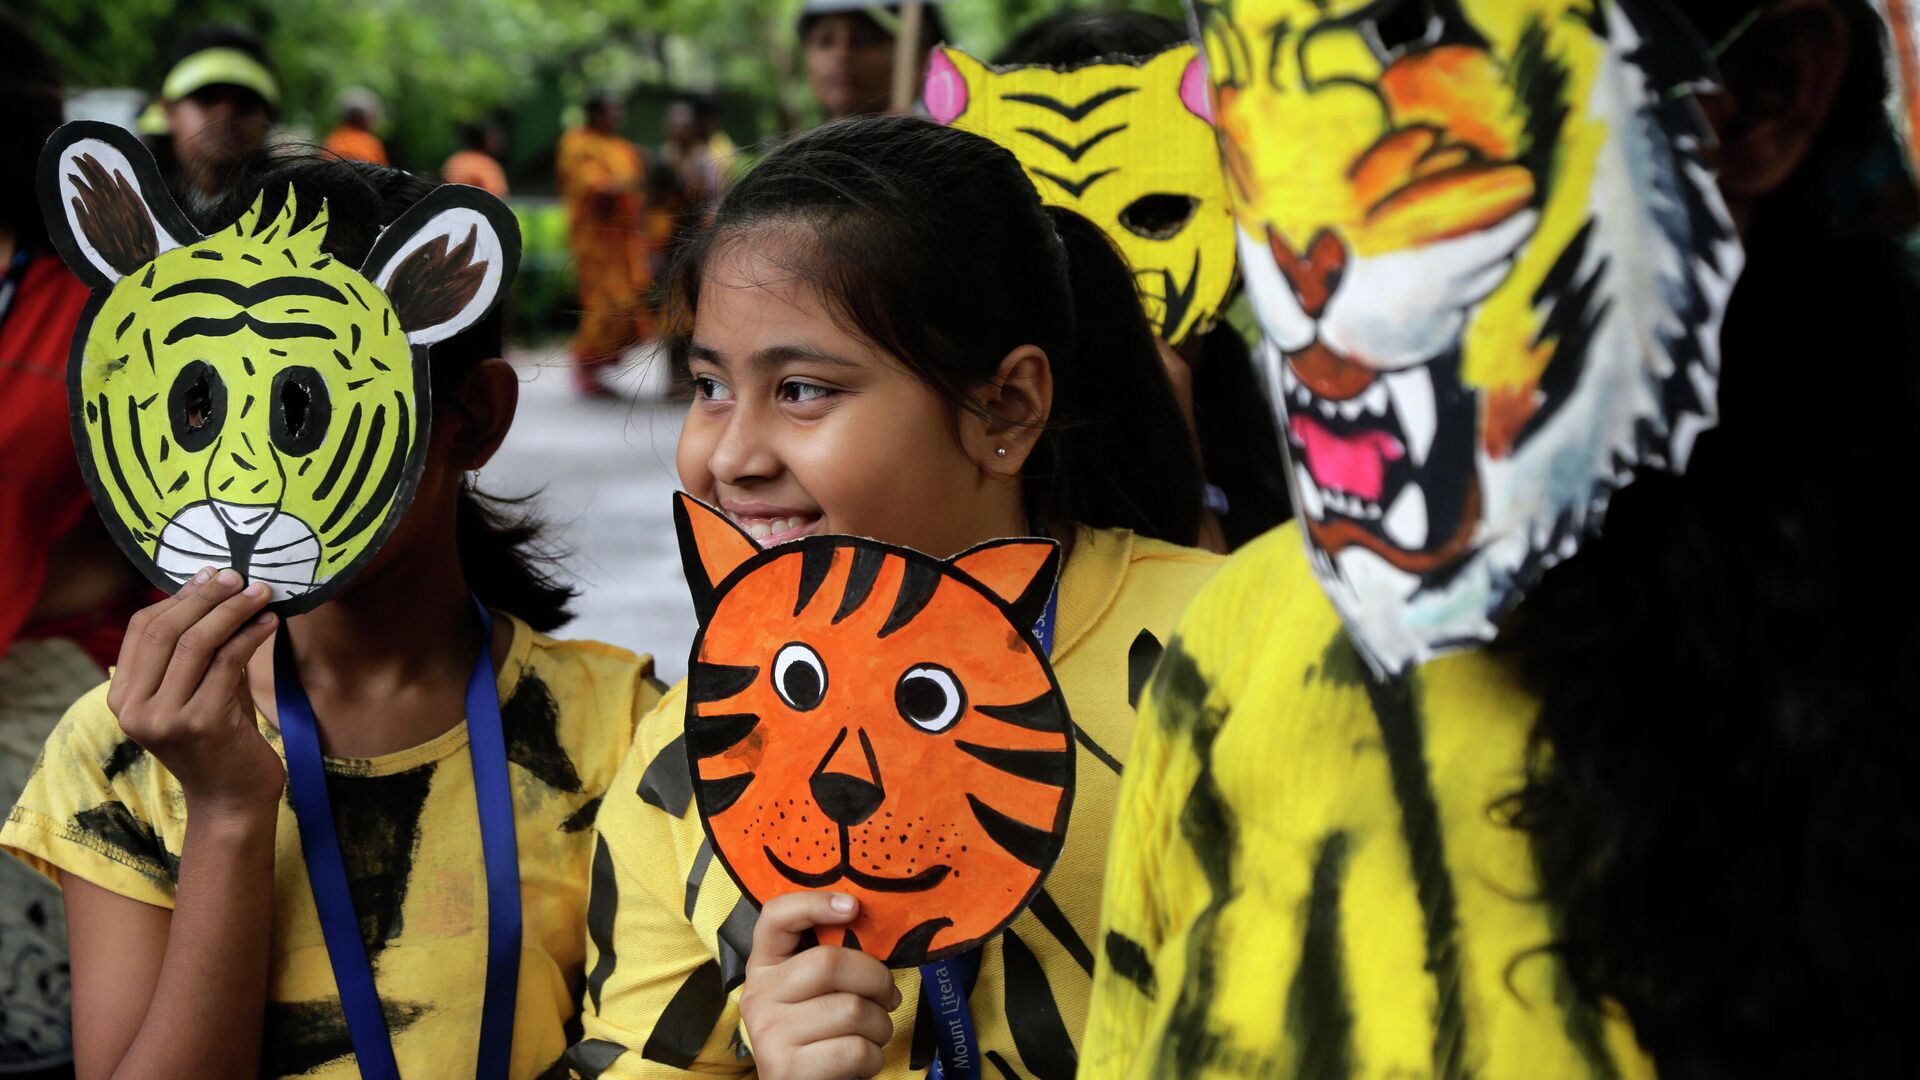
(717, 795)
(1043, 713)
(718, 682)
(815, 561)
(139, 447)
(247, 405)
(354, 338)
(1075, 113)
(205, 327)
(917, 586)
(113, 464)
(121, 331)
(342, 357)
(249, 295)
(1035, 847)
(710, 735)
(860, 578)
(360, 470)
(1073, 152)
(347, 442)
(146, 342)
(389, 480)
(1075, 188)
(1041, 766)
(178, 484)
(174, 523)
(355, 293)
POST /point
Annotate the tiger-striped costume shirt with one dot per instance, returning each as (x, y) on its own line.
(100, 808)
(1309, 874)
(669, 932)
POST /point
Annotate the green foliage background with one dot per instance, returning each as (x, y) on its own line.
(437, 63)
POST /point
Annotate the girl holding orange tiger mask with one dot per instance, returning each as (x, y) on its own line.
(889, 336)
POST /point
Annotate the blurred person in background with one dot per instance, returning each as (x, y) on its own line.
(354, 139)
(601, 175)
(65, 592)
(477, 162)
(221, 99)
(849, 47)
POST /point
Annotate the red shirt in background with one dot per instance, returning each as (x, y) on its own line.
(42, 496)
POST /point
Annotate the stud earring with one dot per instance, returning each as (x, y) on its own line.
(999, 451)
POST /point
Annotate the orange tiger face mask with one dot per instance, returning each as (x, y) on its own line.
(870, 720)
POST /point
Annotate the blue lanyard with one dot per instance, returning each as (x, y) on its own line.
(346, 951)
(947, 984)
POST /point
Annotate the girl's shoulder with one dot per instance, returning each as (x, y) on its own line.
(578, 696)
(1118, 579)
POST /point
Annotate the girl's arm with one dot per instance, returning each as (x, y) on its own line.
(160, 994)
(177, 993)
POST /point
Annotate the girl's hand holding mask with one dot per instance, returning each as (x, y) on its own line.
(181, 692)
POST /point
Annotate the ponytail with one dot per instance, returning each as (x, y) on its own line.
(933, 245)
(507, 563)
(1122, 454)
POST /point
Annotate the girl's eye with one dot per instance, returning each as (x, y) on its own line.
(707, 388)
(797, 392)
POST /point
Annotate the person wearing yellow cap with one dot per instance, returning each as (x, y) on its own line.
(221, 99)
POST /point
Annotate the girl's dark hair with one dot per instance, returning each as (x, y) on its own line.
(502, 549)
(1073, 37)
(1720, 798)
(30, 99)
(932, 244)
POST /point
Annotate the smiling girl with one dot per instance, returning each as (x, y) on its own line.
(889, 336)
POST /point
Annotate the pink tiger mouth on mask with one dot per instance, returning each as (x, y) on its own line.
(1354, 463)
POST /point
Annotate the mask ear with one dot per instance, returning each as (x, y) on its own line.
(1019, 571)
(446, 261)
(1194, 91)
(711, 547)
(106, 208)
(946, 92)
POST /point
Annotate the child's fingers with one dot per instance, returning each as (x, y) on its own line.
(146, 653)
(776, 936)
(225, 678)
(828, 970)
(194, 650)
(845, 1058)
(834, 1015)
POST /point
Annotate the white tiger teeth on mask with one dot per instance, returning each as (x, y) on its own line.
(1412, 393)
(1309, 493)
(1375, 400)
(1406, 520)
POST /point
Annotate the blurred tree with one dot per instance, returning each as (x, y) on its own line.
(437, 63)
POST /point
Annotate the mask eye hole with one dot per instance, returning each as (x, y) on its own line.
(1158, 217)
(1409, 26)
(930, 697)
(299, 411)
(197, 405)
(799, 677)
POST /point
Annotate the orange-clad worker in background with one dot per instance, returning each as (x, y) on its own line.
(600, 176)
(477, 163)
(354, 138)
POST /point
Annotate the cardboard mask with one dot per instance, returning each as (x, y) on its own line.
(1490, 262)
(244, 399)
(868, 719)
(1126, 142)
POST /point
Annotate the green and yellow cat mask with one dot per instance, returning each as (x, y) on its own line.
(1127, 142)
(244, 399)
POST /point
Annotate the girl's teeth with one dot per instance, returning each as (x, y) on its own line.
(759, 530)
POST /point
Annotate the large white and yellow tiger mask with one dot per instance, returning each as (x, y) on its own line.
(1490, 263)
(1128, 143)
(245, 399)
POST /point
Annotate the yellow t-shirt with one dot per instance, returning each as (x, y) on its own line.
(100, 808)
(669, 931)
(1310, 875)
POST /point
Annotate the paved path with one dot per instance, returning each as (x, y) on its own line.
(604, 477)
